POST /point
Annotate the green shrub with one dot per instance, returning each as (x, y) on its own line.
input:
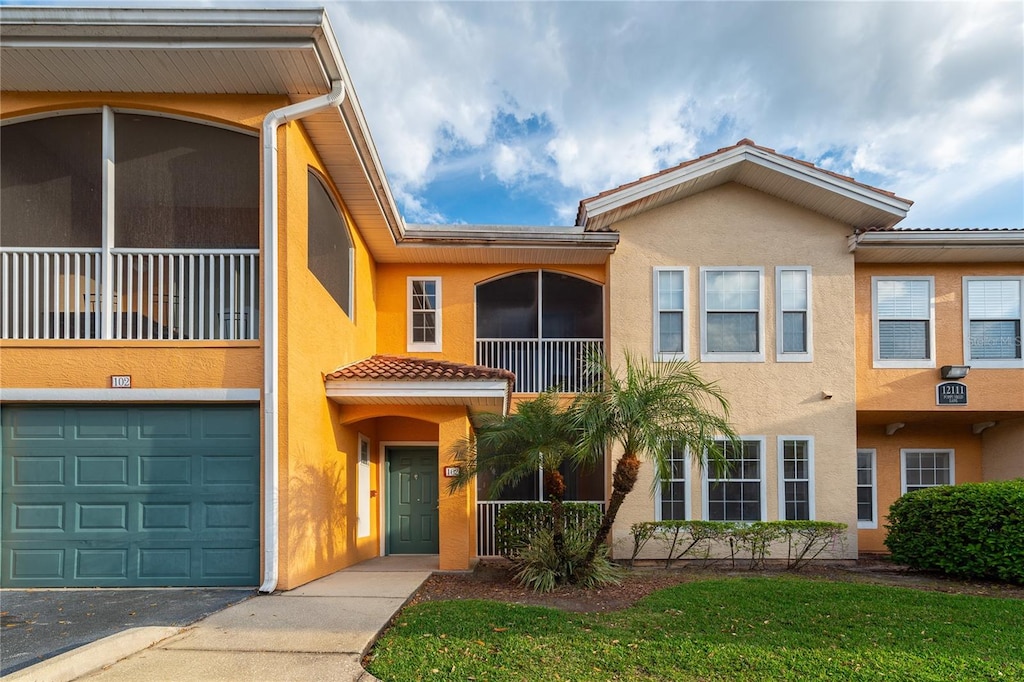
(972, 530)
(518, 523)
(539, 566)
(805, 540)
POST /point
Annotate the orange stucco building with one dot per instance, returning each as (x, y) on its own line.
(227, 360)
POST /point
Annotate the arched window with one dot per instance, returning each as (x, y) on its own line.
(541, 326)
(329, 254)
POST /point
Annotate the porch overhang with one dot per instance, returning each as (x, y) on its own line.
(938, 246)
(395, 380)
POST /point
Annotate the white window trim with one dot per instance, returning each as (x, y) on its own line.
(807, 355)
(1007, 363)
(659, 356)
(688, 502)
(706, 356)
(903, 465)
(874, 489)
(414, 347)
(898, 363)
(706, 470)
(782, 475)
(364, 505)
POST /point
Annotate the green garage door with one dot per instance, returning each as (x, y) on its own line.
(129, 496)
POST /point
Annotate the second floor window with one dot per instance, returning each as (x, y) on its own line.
(424, 316)
(732, 324)
(670, 319)
(904, 326)
(793, 314)
(992, 321)
(329, 248)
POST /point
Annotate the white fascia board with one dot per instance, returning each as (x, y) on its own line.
(919, 238)
(416, 389)
(794, 169)
(538, 238)
(125, 395)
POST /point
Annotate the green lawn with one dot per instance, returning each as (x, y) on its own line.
(783, 628)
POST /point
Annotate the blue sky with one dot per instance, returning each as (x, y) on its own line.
(512, 112)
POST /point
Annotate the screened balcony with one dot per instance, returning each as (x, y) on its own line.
(119, 225)
(542, 326)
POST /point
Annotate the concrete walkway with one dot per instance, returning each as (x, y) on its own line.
(319, 631)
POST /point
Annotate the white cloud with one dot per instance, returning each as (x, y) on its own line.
(924, 99)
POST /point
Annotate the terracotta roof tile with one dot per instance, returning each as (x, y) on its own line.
(397, 368)
(744, 142)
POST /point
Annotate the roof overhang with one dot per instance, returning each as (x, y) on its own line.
(938, 246)
(290, 52)
(476, 395)
(798, 182)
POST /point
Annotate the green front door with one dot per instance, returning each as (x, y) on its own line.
(412, 501)
(130, 496)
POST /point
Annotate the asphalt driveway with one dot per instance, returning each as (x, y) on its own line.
(39, 624)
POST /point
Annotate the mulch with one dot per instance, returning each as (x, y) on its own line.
(493, 580)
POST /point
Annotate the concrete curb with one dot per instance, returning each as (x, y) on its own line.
(90, 657)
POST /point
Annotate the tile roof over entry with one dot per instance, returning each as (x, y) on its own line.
(396, 380)
(397, 368)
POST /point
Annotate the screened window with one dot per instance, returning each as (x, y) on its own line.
(904, 333)
(329, 255)
(424, 314)
(793, 314)
(926, 468)
(533, 305)
(867, 514)
(670, 313)
(993, 321)
(736, 493)
(672, 491)
(797, 484)
(184, 185)
(51, 182)
(732, 323)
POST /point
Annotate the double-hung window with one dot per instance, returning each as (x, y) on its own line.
(737, 491)
(926, 469)
(796, 478)
(867, 497)
(670, 314)
(671, 503)
(993, 321)
(732, 314)
(424, 315)
(903, 321)
(793, 314)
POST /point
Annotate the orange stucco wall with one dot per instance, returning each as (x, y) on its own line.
(458, 303)
(318, 454)
(914, 389)
(967, 462)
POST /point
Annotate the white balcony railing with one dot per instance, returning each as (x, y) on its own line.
(154, 294)
(486, 518)
(540, 364)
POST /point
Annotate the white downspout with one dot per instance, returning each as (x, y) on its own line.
(274, 120)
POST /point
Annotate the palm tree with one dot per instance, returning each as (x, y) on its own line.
(537, 435)
(645, 411)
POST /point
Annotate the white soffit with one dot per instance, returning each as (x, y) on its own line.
(799, 183)
(938, 246)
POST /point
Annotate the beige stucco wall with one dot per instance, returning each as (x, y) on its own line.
(734, 226)
(1002, 451)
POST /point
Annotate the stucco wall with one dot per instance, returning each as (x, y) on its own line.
(1003, 451)
(458, 303)
(733, 226)
(967, 459)
(318, 455)
(914, 389)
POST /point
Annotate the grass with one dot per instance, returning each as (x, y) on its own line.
(784, 628)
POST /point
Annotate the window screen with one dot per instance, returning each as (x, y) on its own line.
(329, 249)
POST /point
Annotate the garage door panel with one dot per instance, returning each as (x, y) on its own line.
(231, 423)
(148, 510)
(38, 424)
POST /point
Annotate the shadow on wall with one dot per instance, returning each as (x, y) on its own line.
(317, 514)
